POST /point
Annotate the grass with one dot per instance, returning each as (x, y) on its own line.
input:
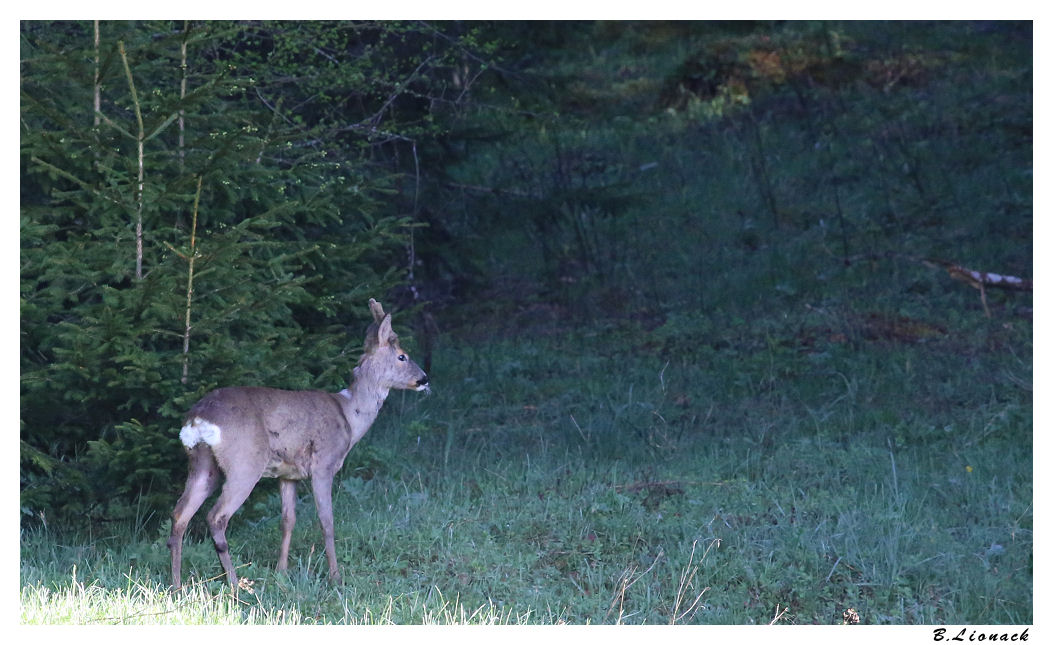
(594, 489)
(750, 403)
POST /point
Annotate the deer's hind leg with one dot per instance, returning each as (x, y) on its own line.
(288, 493)
(239, 483)
(200, 482)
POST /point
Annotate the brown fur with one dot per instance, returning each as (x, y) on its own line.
(291, 435)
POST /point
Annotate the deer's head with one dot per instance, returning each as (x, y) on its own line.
(383, 359)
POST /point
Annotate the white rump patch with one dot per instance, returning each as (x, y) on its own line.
(199, 430)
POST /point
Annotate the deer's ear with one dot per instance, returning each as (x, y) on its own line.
(384, 333)
(377, 310)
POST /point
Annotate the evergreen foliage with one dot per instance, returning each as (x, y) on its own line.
(278, 148)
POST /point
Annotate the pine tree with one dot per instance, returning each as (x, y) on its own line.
(265, 153)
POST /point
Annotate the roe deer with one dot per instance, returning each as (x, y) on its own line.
(247, 433)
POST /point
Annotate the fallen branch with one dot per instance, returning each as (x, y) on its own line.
(979, 279)
(778, 614)
(668, 485)
(488, 189)
(982, 280)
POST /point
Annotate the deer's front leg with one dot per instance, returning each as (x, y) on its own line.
(323, 500)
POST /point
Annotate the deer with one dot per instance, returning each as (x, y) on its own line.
(248, 433)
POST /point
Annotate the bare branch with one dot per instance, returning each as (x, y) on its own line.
(141, 179)
(190, 257)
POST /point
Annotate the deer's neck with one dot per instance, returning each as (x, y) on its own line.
(361, 403)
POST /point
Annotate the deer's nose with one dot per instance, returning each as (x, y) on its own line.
(422, 380)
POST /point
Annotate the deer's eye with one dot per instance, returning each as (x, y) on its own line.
(402, 357)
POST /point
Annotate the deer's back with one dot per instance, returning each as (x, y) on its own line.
(278, 431)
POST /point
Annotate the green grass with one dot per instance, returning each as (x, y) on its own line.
(545, 481)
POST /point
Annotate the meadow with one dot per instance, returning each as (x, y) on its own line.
(557, 481)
